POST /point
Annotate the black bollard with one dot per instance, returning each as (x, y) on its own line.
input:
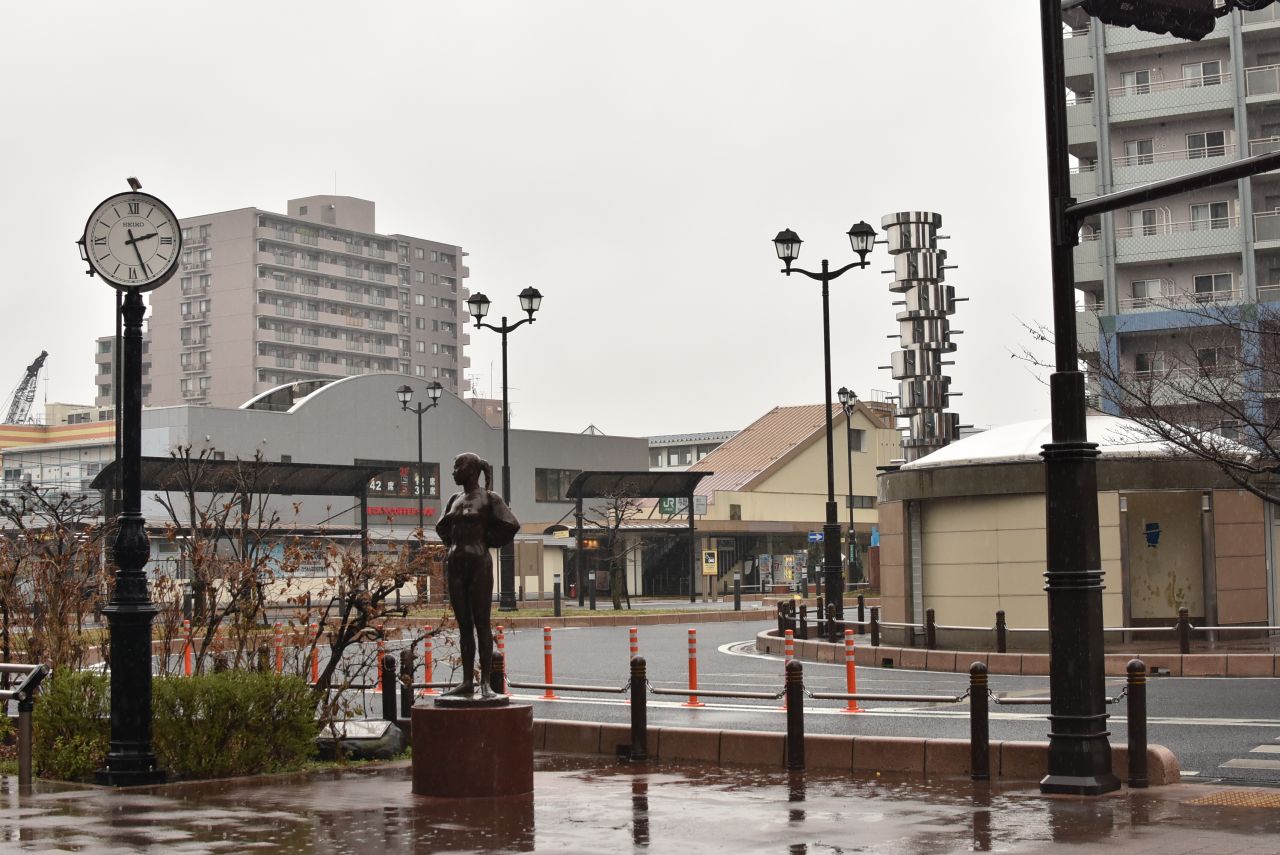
(555, 596)
(819, 613)
(794, 688)
(639, 711)
(802, 629)
(407, 670)
(930, 630)
(1137, 722)
(388, 688)
(979, 724)
(782, 619)
(862, 610)
(498, 673)
(875, 626)
(1002, 633)
(1184, 631)
(263, 664)
(737, 591)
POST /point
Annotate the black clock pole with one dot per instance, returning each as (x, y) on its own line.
(130, 760)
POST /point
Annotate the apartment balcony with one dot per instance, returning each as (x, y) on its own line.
(1177, 301)
(1266, 230)
(1077, 53)
(1262, 84)
(1084, 182)
(1265, 19)
(189, 266)
(1088, 258)
(1135, 170)
(1087, 330)
(1080, 124)
(1171, 241)
(1127, 40)
(1179, 97)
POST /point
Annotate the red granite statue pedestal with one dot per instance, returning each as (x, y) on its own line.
(472, 751)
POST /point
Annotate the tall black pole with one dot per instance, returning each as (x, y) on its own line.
(853, 544)
(832, 570)
(422, 481)
(1079, 752)
(130, 760)
(507, 555)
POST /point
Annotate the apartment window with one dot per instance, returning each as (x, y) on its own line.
(735, 512)
(104, 391)
(1210, 215)
(419, 253)
(419, 276)
(1146, 363)
(863, 502)
(184, 309)
(419, 371)
(435, 256)
(419, 299)
(13, 474)
(1230, 429)
(1207, 73)
(551, 485)
(186, 235)
(205, 280)
(435, 347)
(184, 359)
(1211, 287)
(1215, 360)
(1144, 291)
(1142, 222)
(420, 323)
(302, 210)
(104, 346)
(655, 458)
(204, 305)
(1207, 144)
(1138, 152)
(421, 346)
(1136, 82)
(857, 440)
(185, 335)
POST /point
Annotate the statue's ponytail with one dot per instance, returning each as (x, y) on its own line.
(487, 468)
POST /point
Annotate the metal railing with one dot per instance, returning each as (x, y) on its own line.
(1196, 153)
(1197, 82)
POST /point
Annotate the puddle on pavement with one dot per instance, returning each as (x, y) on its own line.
(591, 805)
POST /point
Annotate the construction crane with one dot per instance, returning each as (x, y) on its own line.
(25, 393)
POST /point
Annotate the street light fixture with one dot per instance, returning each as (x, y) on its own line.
(849, 403)
(862, 237)
(478, 305)
(405, 395)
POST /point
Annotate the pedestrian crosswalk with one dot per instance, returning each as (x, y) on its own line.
(1265, 756)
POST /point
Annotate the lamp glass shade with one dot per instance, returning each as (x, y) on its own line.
(530, 300)
(404, 395)
(862, 237)
(478, 306)
(788, 245)
(844, 395)
(434, 390)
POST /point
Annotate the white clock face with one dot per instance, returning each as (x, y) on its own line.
(133, 241)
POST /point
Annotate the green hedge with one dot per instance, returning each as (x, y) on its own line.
(71, 725)
(213, 725)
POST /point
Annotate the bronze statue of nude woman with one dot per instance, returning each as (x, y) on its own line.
(474, 521)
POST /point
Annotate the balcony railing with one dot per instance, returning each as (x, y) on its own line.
(1266, 225)
(1178, 154)
(1262, 80)
(1132, 89)
(1178, 227)
(1174, 301)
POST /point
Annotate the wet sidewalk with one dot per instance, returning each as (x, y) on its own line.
(585, 806)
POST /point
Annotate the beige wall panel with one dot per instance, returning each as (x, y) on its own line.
(959, 547)
(962, 610)
(960, 580)
(1239, 539)
(1169, 576)
(893, 608)
(1108, 509)
(1022, 579)
(1109, 542)
(1112, 608)
(1238, 573)
(1014, 512)
(1236, 506)
(1024, 611)
(1244, 606)
(963, 514)
(1020, 545)
(1112, 577)
(892, 548)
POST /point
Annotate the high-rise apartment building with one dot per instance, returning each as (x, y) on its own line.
(1144, 107)
(263, 299)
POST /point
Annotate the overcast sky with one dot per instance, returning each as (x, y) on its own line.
(633, 161)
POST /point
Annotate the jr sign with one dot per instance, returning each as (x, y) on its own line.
(672, 506)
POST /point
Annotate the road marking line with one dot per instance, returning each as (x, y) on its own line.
(1245, 763)
(1266, 749)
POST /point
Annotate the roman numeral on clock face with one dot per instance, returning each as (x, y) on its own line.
(166, 241)
(134, 207)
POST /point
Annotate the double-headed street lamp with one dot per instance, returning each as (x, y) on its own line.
(862, 237)
(849, 403)
(478, 305)
(405, 395)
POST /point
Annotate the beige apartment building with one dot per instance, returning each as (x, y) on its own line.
(317, 294)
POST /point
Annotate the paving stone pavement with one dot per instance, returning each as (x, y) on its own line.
(591, 805)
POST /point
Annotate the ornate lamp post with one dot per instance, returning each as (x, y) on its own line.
(849, 403)
(862, 237)
(478, 305)
(405, 395)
